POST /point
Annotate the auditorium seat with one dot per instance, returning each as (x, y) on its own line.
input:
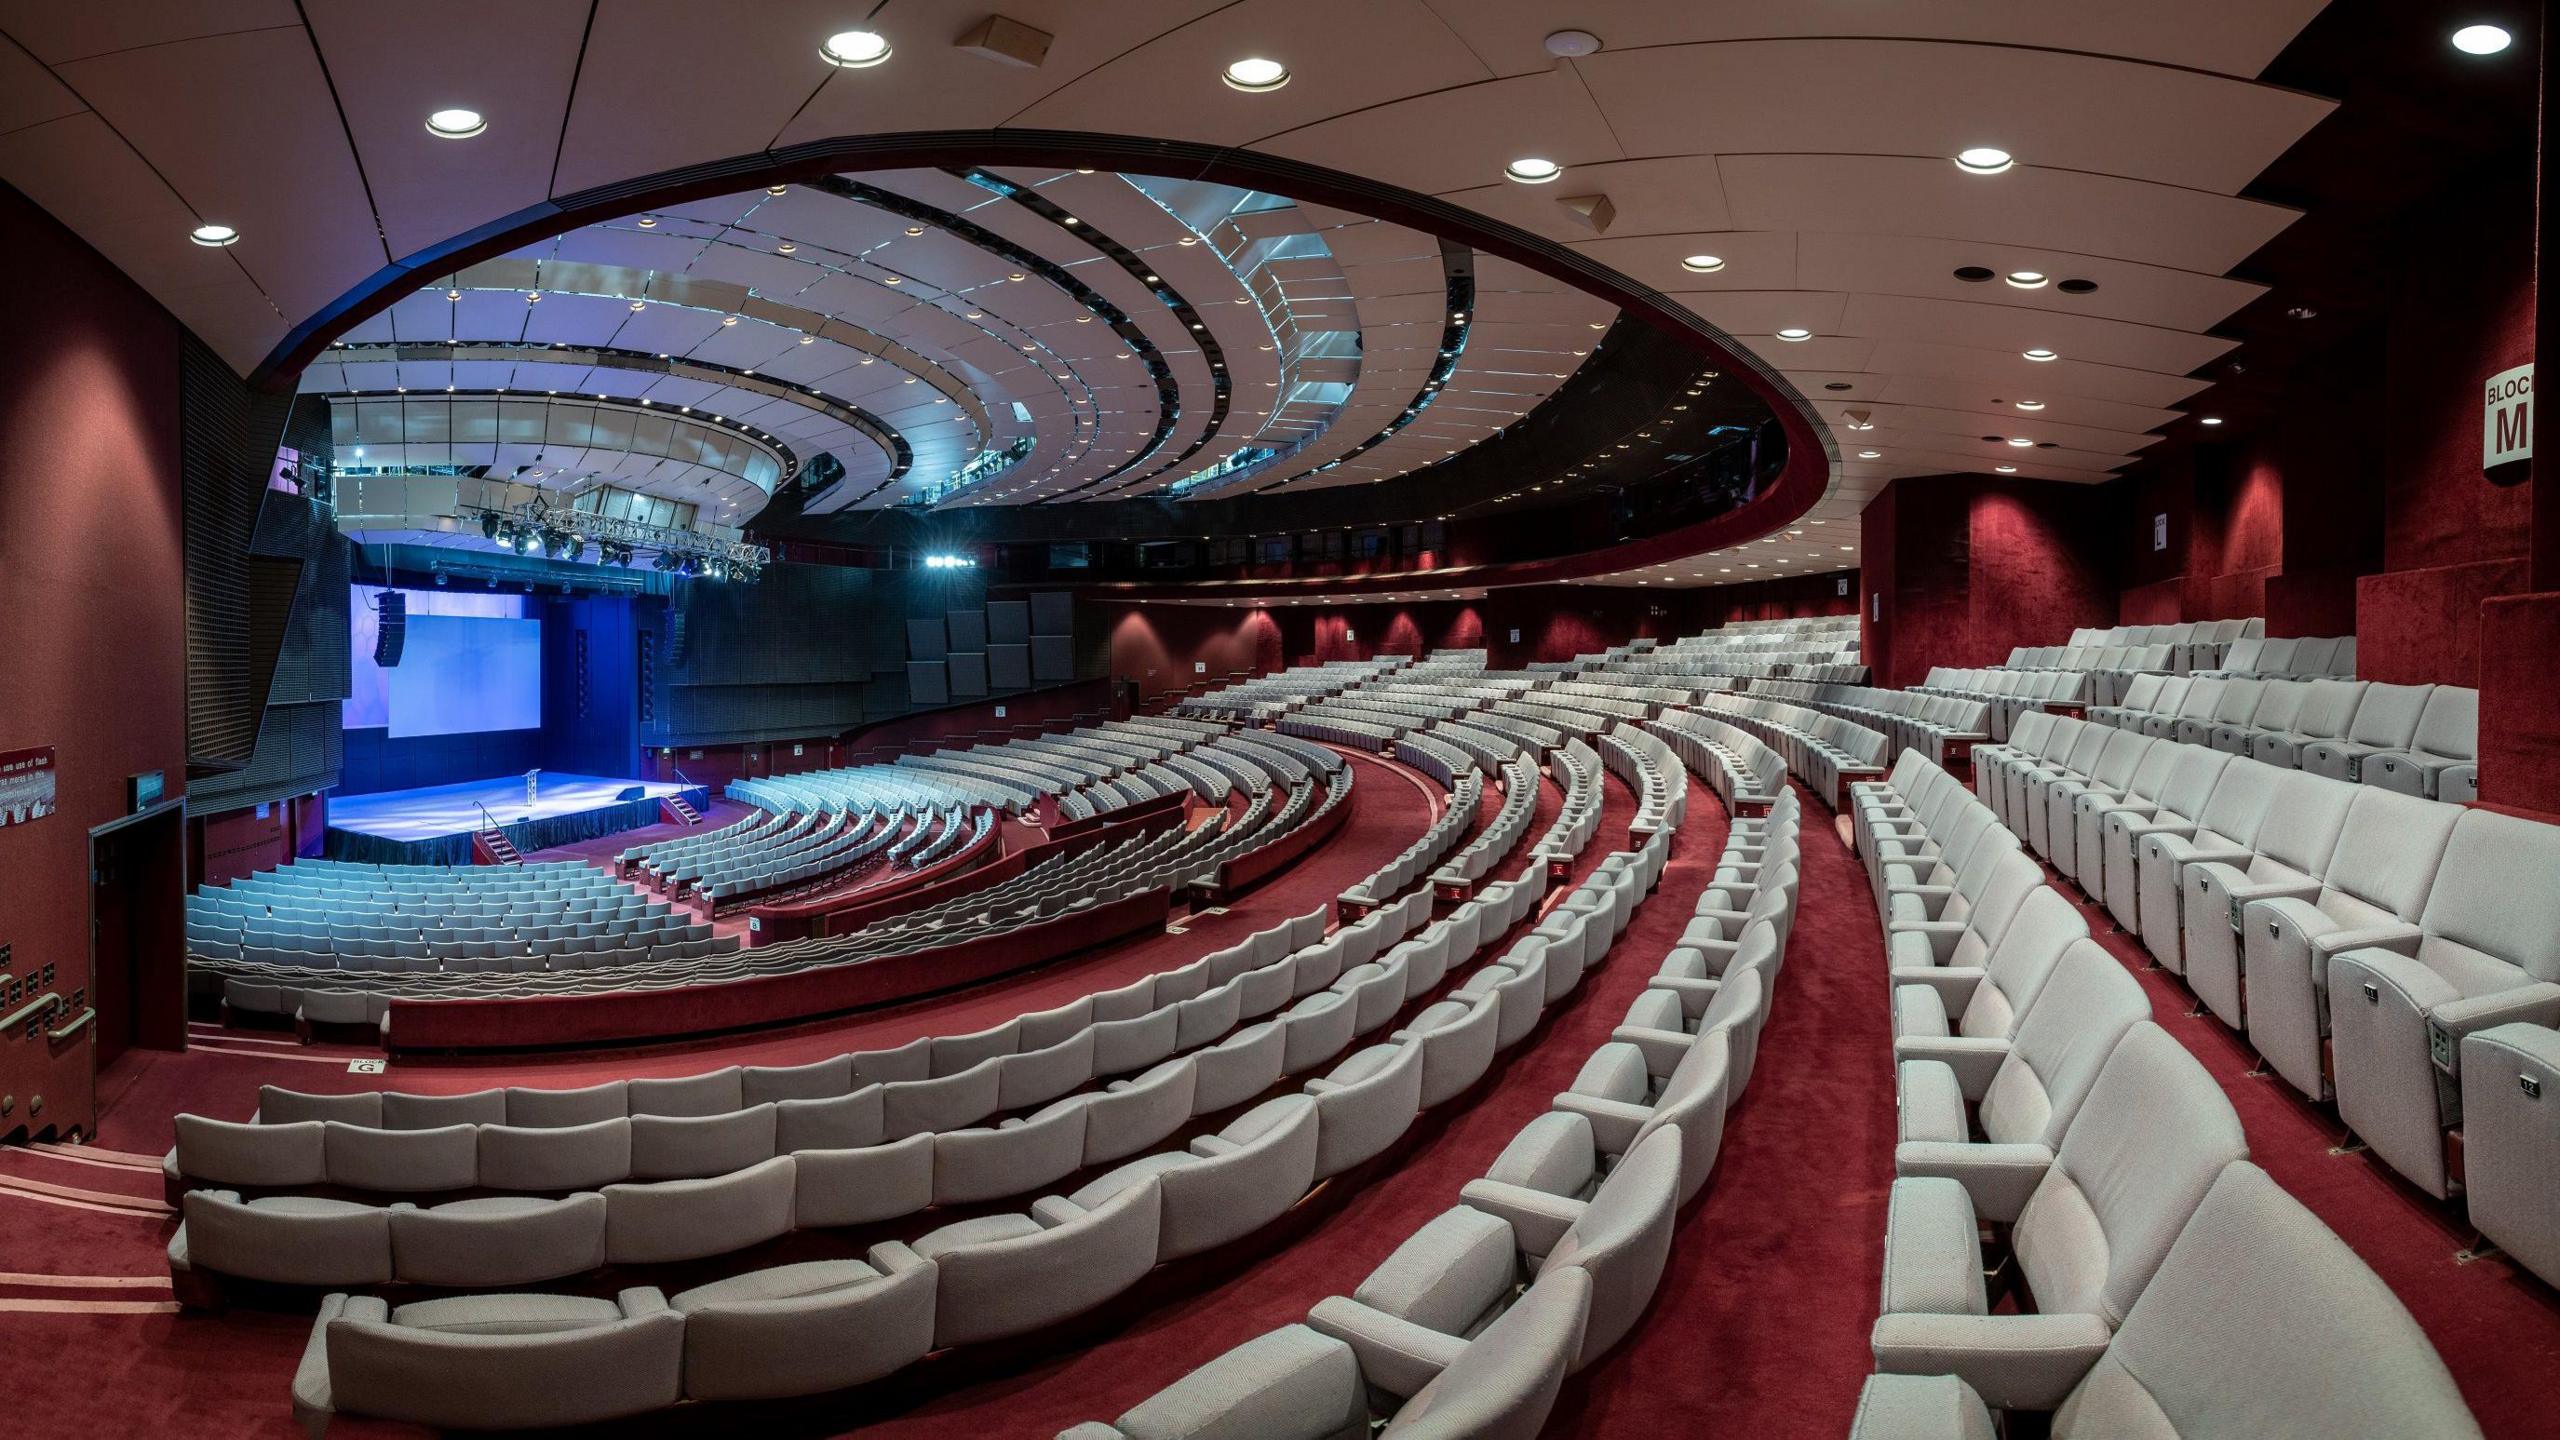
(2442, 762)
(807, 1328)
(2386, 719)
(2485, 953)
(1297, 1383)
(2170, 810)
(1001, 1275)
(1456, 1275)
(2134, 1164)
(2287, 854)
(2372, 889)
(1967, 1015)
(2223, 827)
(1564, 1154)
(2326, 712)
(1225, 1185)
(2021, 1109)
(2258, 1322)
(492, 1362)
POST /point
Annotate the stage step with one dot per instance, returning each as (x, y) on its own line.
(500, 849)
(684, 812)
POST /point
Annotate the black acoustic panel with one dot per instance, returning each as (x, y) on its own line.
(928, 682)
(927, 639)
(1053, 658)
(968, 674)
(1008, 622)
(1053, 612)
(968, 630)
(1009, 667)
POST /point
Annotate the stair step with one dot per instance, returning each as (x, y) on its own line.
(500, 847)
(684, 812)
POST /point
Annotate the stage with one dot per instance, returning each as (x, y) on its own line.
(434, 826)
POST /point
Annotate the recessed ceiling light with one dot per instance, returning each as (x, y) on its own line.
(1016, 275)
(648, 222)
(785, 248)
(1531, 170)
(455, 124)
(808, 339)
(2481, 39)
(2040, 354)
(1984, 160)
(1255, 75)
(2212, 420)
(777, 190)
(455, 294)
(1703, 264)
(854, 49)
(2027, 279)
(893, 280)
(1870, 454)
(533, 297)
(639, 305)
(2021, 441)
(1795, 332)
(2006, 469)
(2030, 404)
(213, 236)
(728, 319)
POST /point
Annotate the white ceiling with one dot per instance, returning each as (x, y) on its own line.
(1808, 144)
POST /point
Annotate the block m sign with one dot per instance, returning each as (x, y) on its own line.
(2506, 418)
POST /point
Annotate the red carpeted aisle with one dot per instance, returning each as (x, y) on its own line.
(1760, 1328)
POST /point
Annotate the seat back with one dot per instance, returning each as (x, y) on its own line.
(2279, 703)
(2237, 809)
(2065, 1037)
(2303, 821)
(2275, 657)
(2492, 918)
(2312, 1343)
(1623, 1238)
(2121, 756)
(1504, 1383)
(2144, 690)
(2387, 716)
(2386, 858)
(2147, 1144)
(2329, 709)
(2018, 967)
(2450, 725)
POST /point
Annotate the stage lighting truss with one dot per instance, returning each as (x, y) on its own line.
(568, 535)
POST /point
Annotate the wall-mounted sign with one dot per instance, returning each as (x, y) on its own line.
(2160, 532)
(1878, 614)
(1843, 583)
(26, 785)
(2506, 418)
(999, 712)
(1199, 667)
(796, 750)
(1515, 634)
(1349, 638)
(143, 791)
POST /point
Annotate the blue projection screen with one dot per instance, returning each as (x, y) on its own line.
(465, 674)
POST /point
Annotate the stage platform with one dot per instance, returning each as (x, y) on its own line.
(434, 825)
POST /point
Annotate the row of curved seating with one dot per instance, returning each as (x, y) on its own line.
(1744, 772)
(1473, 1324)
(986, 1278)
(1424, 855)
(1824, 751)
(1654, 771)
(2129, 1228)
(1576, 768)
(2368, 943)
(2008, 694)
(2417, 739)
(1502, 833)
(1942, 727)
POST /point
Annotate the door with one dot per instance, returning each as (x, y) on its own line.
(137, 922)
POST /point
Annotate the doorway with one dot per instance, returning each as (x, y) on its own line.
(137, 925)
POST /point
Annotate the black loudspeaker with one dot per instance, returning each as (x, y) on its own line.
(394, 635)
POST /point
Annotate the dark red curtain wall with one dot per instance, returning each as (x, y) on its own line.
(90, 561)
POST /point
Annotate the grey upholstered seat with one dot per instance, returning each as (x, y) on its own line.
(491, 1362)
(2147, 1144)
(807, 1328)
(2309, 1344)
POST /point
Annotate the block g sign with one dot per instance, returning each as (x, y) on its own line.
(2506, 426)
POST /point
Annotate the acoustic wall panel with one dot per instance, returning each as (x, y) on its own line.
(928, 682)
(968, 674)
(1053, 612)
(1009, 667)
(1053, 658)
(968, 631)
(927, 639)
(1008, 622)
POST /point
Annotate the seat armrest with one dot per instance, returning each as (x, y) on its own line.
(1999, 1178)
(1942, 935)
(1694, 994)
(372, 1309)
(1053, 1211)
(1395, 1355)
(2015, 1362)
(2449, 1024)
(641, 1300)
(1614, 1123)
(1662, 1048)
(1954, 983)
(1975, 1060)
(893, 1257)
(1537, 1219)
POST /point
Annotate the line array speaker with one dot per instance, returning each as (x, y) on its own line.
(393, 637)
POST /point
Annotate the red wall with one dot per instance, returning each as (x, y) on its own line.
(223, 848)
(1968, 567)
(90, 560)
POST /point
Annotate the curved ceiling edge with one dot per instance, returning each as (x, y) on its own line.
(1812, 453)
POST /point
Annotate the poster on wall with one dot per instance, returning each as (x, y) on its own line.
(26, 785)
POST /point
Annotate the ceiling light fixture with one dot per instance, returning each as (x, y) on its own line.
(785, 248)
(2030, 404)
(2040, 355)
(648, 222)
(2021, 441)
(212, 236)
(808, 339)
(1703, 264)
(1870, 454)
(1984, 160)
(2481, 39)
(1255, 75)
(639, 305)
(2006, 469)
(728, 319)
(2212, 420)
(455, 124)
(777, 191)
(2027, 279)
(854, 49)
(1795, 332)
(1532, 170)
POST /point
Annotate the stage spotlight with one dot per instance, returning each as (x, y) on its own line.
(488, 525)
